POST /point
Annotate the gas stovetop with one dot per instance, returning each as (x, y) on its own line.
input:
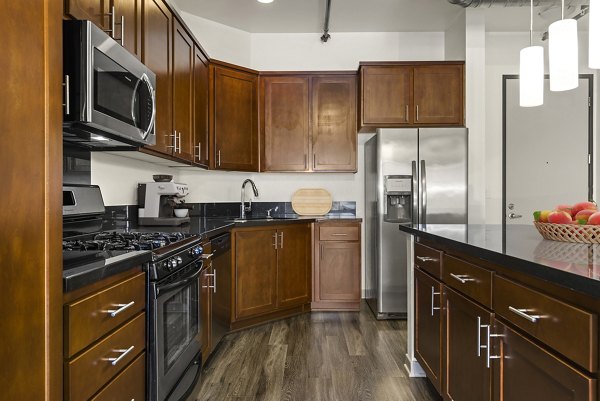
(123, 241)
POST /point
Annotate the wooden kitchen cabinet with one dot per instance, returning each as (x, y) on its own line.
(286, 127)
(200, 96)
(334, 133)
(157, 55)
(337, 266)
(92, 10)
(401, 94)
(272, 270)
(183, 85)
(428, 326)
(309, 122)
(524, 371)
(466, 374)
(233, 107)
(129, 34)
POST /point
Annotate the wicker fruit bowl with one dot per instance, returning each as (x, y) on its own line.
(583, 234)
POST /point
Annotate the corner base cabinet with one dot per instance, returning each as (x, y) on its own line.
(336, 284)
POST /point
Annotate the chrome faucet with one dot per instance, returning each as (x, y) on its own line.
(243, 208)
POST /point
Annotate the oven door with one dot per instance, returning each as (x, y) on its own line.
(176, 330)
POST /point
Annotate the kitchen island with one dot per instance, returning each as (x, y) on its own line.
(502, 314)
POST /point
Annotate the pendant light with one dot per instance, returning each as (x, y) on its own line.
(594, 34)
(531, 71)
(563, 54)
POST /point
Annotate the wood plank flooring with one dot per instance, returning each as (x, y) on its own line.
(319, 356)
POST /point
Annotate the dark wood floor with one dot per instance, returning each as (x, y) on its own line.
(313, 357)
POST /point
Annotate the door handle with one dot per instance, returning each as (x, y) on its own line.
(423, 214)
(275, 240)
(281, 236)
(433, 294)
(67, 102)
(512, 215)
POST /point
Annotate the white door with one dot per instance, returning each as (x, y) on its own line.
(547, 149)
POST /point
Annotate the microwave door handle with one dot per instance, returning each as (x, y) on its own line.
(153, 98)
(135, 91)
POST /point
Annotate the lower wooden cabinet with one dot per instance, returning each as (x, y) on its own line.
(272, 268)
(336, 284)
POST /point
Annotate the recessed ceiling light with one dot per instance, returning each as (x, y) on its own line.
(265, 1)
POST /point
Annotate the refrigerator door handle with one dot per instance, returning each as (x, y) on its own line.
(423, 189)
(415, 200)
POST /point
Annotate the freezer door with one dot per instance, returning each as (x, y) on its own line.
(442, 175)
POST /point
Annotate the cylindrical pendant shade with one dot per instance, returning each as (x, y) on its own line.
(594, 34)
(531, 77)
(563, 55)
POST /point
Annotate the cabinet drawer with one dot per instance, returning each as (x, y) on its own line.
(87, 373)
(429, 260)
(339, 233)
(565, 328)
(130, 384)
(473, 281)
(90, 318)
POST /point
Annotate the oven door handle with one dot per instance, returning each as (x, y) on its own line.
(180, 283)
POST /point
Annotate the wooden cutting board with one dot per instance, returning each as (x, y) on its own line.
(311, 202)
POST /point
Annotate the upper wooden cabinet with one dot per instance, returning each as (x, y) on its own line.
(411, 94)
(128, 25)
(183, 85)
(157, 55)
(92, 10)
(201, 133)
(308, 122)
(233, 107)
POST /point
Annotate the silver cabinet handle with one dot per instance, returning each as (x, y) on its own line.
(275, 240)
(427, 259)
(514, 216)
(339, 235)
(314, 161)
(463, 278)
(219, 158)
(417, 112)
(67, 102)
(479, 346)
(523, 313)
(179, 142)
(111, 31)
(174, 146)
(121, 308)
(433, 294)
(207, 256)
(122, 30)
(488, 345)
(281, 236)
(214, 276)
(124, 352)
(199, 147)
(406, 114)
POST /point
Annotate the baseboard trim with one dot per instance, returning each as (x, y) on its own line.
(413, 367)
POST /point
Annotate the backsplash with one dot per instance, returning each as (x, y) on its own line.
(76, 165)
(232, 209)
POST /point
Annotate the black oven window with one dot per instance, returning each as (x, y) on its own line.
(115, 91)
(181, 323)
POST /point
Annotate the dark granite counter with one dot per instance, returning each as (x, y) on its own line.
(521, 247)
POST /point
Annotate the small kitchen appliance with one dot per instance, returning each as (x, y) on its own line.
(157, 202)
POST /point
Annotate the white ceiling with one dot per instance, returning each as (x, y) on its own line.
(291, 16)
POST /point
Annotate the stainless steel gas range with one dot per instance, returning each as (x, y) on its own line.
(173, 286)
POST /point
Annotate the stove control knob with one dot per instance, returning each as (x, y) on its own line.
(179, 260)
(173, 263)
(196, 251)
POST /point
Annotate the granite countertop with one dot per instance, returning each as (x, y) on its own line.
(522, 248)
(81, 268)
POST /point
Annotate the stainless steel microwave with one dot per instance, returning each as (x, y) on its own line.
(109, 99)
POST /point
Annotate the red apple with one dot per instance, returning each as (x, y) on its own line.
(594, 219)
(578, 207)
(560, 217)
(583, 215)
(565, 208)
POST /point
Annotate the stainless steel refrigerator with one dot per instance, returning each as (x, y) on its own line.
(412, 176)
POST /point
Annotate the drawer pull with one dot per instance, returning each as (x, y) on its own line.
(339, 235)
(427, 259)
(463, 278)
(124, 352)
(122, 307)
(523, 313)
(207, 256)
(433, 294)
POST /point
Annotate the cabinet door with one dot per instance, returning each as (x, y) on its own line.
(525, 371)
(200, 107)
(467, 376)
(206, 284)
(438, 94)
(92, 10)
(129, 33)
(428, 326)
(255, 273)
(386, 95)
(334, 133)
(286, 124)
(235, 95)
(157, 43)
(183, 84)
(339, 271)
(293, 265)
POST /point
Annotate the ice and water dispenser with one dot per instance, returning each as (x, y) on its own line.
(398, 198)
